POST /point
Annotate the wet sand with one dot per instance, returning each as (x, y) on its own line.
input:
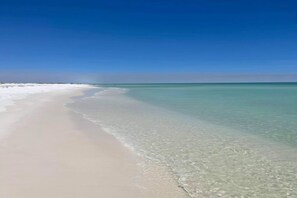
(49, 151)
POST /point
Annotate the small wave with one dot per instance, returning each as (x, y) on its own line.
(206, 159)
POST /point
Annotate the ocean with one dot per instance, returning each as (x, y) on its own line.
(217, 140)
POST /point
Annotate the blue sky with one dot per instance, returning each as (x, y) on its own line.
(112, 36)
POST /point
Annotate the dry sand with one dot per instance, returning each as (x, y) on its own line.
(51, 152)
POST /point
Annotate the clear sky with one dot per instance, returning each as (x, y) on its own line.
(148, 37)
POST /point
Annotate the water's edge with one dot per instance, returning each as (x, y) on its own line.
(197, 157)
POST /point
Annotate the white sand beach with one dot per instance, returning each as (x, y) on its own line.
(46, 150)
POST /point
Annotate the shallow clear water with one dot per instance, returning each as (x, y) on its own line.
(264, 109)
(218, 140)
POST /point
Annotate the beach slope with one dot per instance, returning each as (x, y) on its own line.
(53, 152)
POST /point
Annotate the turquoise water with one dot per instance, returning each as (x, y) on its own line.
(217, 140)
(269, 110)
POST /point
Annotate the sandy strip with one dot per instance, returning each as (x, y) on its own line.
(51, 152)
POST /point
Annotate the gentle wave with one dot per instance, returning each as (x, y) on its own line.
(208, 160)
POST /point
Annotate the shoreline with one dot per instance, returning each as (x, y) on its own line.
(54, 152)
(199, 154)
